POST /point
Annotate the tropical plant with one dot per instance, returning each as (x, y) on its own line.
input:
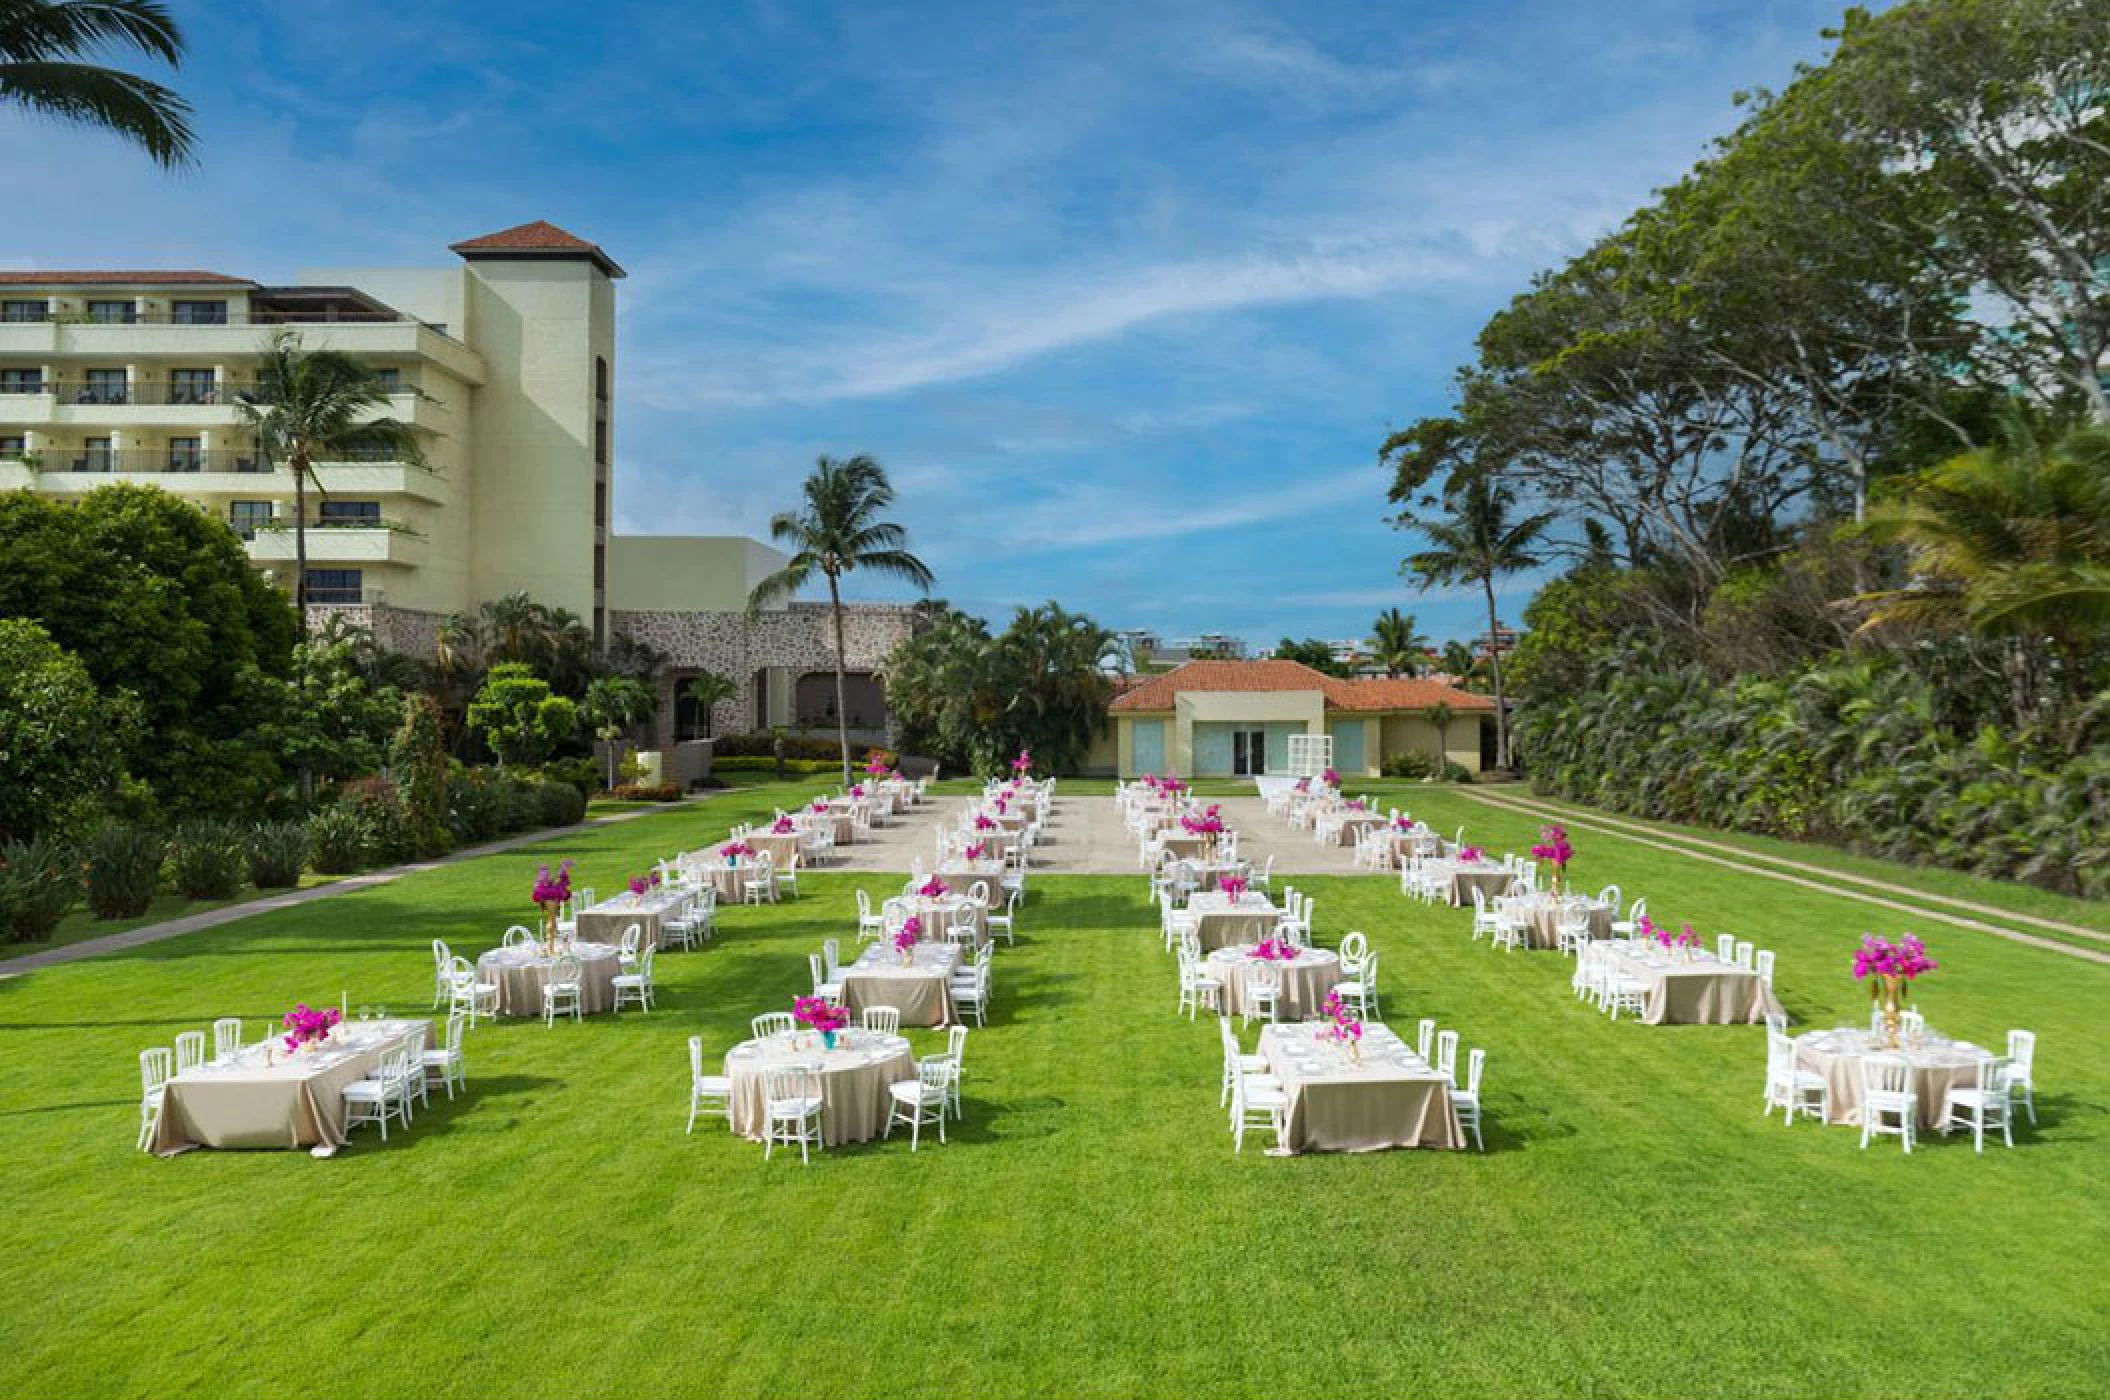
(1476, 542)
(39, 881)
(208, 859)
(1397, 645)
(613, 706)
(278, 852)
(43, 43)
(417, 756)
(310, 405)
(707, 690)
(124, 869)
(1439, 717)
(839, 529)
(516, 714)
(61, 744)
(340, 839)
(1310, 652)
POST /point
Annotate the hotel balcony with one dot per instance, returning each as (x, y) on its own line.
(374, 337)
(342, 544)
(64, 402)
(218, 472)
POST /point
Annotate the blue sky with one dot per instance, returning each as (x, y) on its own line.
(1125, 296)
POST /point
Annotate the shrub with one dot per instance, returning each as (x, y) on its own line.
(1457, 773)
(341, 839)
(39, 880)
(207, 860)
(647, 792)
(805, 767)
(124, 868)
(277, 853)
(581, 773)
(392, 833)
(560, 804)
(418, 757)
(764, 746)
(1410, 764)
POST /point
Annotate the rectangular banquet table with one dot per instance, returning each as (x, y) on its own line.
(1220, 924)
(1341, 830)
(779, 847)
(1301, 982)
(1701, 991)
(607, 921)
(938, 913)
(293, 1101)
(964, 877)
(1390, 1099)
(1937, 1065)
(920, 990)
(1488, 878)
(1542, 918)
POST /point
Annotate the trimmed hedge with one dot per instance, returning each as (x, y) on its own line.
(804, 767)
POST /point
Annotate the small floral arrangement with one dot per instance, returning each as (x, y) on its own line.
(736, 850)
(1330, 778)
(1469, 855)
(857, 790)
(976, 850)
(1402, 822)
(817, 1014)
(1687, 939)
(305, 1025)
(1879, 957)
(552, 890)
(639, 885)
(820, 806)
(1023, 764)
(1275, 950)
(1358, 804)
(934, 888)
(1553, 846)
(1234, 886)
(877, 765)
(1345, 1030)
(782, 826)
(1209, 823)
(984, 822)
(909, 934)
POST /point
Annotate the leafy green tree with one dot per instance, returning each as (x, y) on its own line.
(707, 690)
(1476, 542)
(417, 755)
(157, 598)
(972, 700)
(518, 716)
(839, 529)
(326, 720)
(614, 705)
(311, 405)
(1310, 652)
(42, 43)
(1399, 646)
(60, 741)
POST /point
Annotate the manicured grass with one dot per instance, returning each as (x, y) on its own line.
(81, 925)
(1634, 1229)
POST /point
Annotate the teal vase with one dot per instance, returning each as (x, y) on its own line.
(828, 1039)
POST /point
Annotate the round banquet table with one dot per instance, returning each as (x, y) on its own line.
(938, 913)
(730, 881)
(854, 1078)
(1305, 979)
(1490, 880)
(1938, 1065)
(522, 971)
(1542, 918)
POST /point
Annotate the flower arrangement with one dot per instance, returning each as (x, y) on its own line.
(1275, 950)
(305, 1025)
(1023, 764)
(1905, 959)
(1358, 804)
(1330, 778)
(1345, 1030)
(736, 850)
(1553, 847)
(984, 822)
(934, 888)
(1209, 823)
(1469, 855)
(1402, 822)
(877, 765)
(1688, 941)
(1303, 785)
(908, 936)
(820, 806)
(1234, 886)
(782, 826)
(552, 890)
(817, 1014)
(976, 850)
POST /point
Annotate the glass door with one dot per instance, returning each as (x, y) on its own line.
(1248, 752)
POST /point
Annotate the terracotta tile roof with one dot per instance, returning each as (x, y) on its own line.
(540, 236)
(180, 278)
(1158, 692)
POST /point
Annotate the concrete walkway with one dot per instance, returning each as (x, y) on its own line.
(265, 904)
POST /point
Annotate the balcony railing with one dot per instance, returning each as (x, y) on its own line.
(148, 459)
(152, 392)
(231, 316)
(372, 522)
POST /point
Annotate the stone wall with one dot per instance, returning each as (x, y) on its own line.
(404, 630)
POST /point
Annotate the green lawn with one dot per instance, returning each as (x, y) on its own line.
(80, 925)
(1634, 1229)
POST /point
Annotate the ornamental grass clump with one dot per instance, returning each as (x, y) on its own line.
(278, 852)
(124, 869)
(208, 860)
(39, 881)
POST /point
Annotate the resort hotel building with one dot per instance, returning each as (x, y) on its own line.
(503, 364)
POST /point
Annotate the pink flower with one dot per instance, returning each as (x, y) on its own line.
(934, 888)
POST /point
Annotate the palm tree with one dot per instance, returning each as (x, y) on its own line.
(707, 690)
(2012, 540)
(311, 404)
(1477, 543)
(42, 43)
(837, 531)
(1397, 644)
(613, 706)
(1439, 717)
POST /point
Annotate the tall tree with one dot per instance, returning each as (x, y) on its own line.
(839, 529)
(613, 706)
(1476, 542)
(1399, 647)
(310, 405)
(707, 690)
(45, 46)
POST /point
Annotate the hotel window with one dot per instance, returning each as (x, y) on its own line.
(186, 454)
(198, 313)
(351, 512)
(246, 516)
(21, 381)
(104, 386)
(113, 313)
(391, 380)
(95, 455)
(13, 448)
(335, 586)
(600, 378)
(193, 386)
(21, 310)
(600, 441)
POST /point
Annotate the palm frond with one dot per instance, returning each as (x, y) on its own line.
(142, 111)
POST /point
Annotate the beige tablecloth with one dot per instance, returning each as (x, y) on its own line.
(1204, 875)
(1177, 844)
(522, 974)
(854, 1079)
(1489, 879)
(1219, 924)
(965, 877)
(1339, 1106)
(293, 1101)
(728, 881)
(1350, 824)
(1938, 1066)
(938, 914)
(779, 848)
(1542, 920)
(1702, 992)
(1305, 979)
(607, 921)
(919, 990)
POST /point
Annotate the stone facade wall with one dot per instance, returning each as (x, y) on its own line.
(404, 630)
(798, 639)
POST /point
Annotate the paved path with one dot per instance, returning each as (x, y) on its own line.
(229, 913)
(1841, 884)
